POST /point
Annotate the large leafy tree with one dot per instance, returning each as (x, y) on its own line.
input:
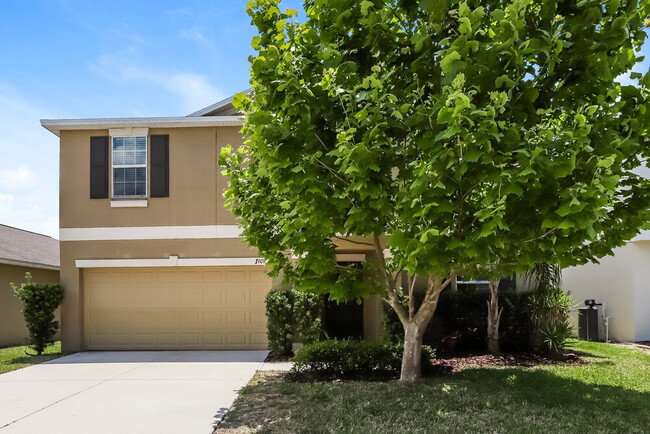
(446, 135)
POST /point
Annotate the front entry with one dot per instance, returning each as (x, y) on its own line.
(344, 320)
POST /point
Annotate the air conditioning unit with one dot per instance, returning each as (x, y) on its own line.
(591, 321)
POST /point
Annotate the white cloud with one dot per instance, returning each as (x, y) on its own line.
(19, 179)
(194, 90)
(194, 33)
(28, 165)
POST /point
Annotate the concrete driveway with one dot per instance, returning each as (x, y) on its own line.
(125, 392)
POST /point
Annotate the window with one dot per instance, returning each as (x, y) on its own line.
(477, 284)
(129, 167)
(483, 284)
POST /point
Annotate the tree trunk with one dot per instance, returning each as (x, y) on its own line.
(494, 317)
(412, 356)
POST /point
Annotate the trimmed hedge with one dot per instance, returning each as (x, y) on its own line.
(279, 325)
(352, 359)
(460, 322)
(293, 315)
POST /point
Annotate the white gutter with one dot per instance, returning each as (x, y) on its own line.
(55, 126)
(28, 264)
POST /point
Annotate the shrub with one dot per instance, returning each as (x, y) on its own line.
(279, 314)
(460, 322)
(293, 315)
(352, 359)
(550, 311)
(308, 312)
(39, 305)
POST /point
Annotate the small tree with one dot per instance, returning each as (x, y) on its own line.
(442, 136)
(40, 302)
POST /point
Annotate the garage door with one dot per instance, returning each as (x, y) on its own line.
(175, 308)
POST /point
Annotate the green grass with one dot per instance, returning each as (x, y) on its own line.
(609, 394)
(12, 358)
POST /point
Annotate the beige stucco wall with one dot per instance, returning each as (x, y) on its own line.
(12, 324)
(195, 199)
(195, 188)
(613, 282)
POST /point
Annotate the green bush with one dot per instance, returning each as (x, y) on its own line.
(293, 315)
(460, 322)
(308, 312)
(352, 359)
(39, 305)
(550, 312)
(279, 314)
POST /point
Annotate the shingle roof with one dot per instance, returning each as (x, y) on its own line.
(26, 248)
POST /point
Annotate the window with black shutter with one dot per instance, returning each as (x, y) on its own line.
(159, 186)
(99, 167)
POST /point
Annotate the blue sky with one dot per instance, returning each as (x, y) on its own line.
(84, 59)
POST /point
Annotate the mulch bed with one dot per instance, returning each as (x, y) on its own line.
(454, 363)
(277, 358)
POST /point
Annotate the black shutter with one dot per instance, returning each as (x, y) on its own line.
(99, 167)
(159, 166)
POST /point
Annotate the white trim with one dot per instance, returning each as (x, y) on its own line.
(150, 233)
(128, 132)
(172, 261)
(57, 125)
(350, 257)
(28, 264)
(129, 203)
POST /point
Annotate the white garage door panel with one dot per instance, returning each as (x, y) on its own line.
(188, 308)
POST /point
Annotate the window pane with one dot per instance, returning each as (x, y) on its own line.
(118, 175)
(118, 189)
(129, 181)
(129, 189)
(129, 143)
(118, 158)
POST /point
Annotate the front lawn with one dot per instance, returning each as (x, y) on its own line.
(12, 358)
(610, 393)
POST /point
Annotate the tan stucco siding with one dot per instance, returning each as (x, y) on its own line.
(12, 324)
(195, 187)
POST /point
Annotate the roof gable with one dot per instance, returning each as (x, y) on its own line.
(20, 247)
(222, 108)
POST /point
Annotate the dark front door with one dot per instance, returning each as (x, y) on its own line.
(344, 320)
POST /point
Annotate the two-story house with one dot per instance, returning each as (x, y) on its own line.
(150, 257)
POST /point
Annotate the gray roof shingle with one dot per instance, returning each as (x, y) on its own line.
(28, 248)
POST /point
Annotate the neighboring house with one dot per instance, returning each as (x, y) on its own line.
(150, 257)
(622, 283)
(21, 252)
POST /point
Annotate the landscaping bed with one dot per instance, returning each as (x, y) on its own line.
(12, 358)
(607, 391)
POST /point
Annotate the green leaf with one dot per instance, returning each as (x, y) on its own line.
(504, 80)
(428, 5)
(447, 61)
(365, 5)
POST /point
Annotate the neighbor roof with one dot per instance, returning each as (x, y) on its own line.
(28, 249)
(221, 114)
(222, 108)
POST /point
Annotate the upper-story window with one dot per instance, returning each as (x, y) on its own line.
(129, 156)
